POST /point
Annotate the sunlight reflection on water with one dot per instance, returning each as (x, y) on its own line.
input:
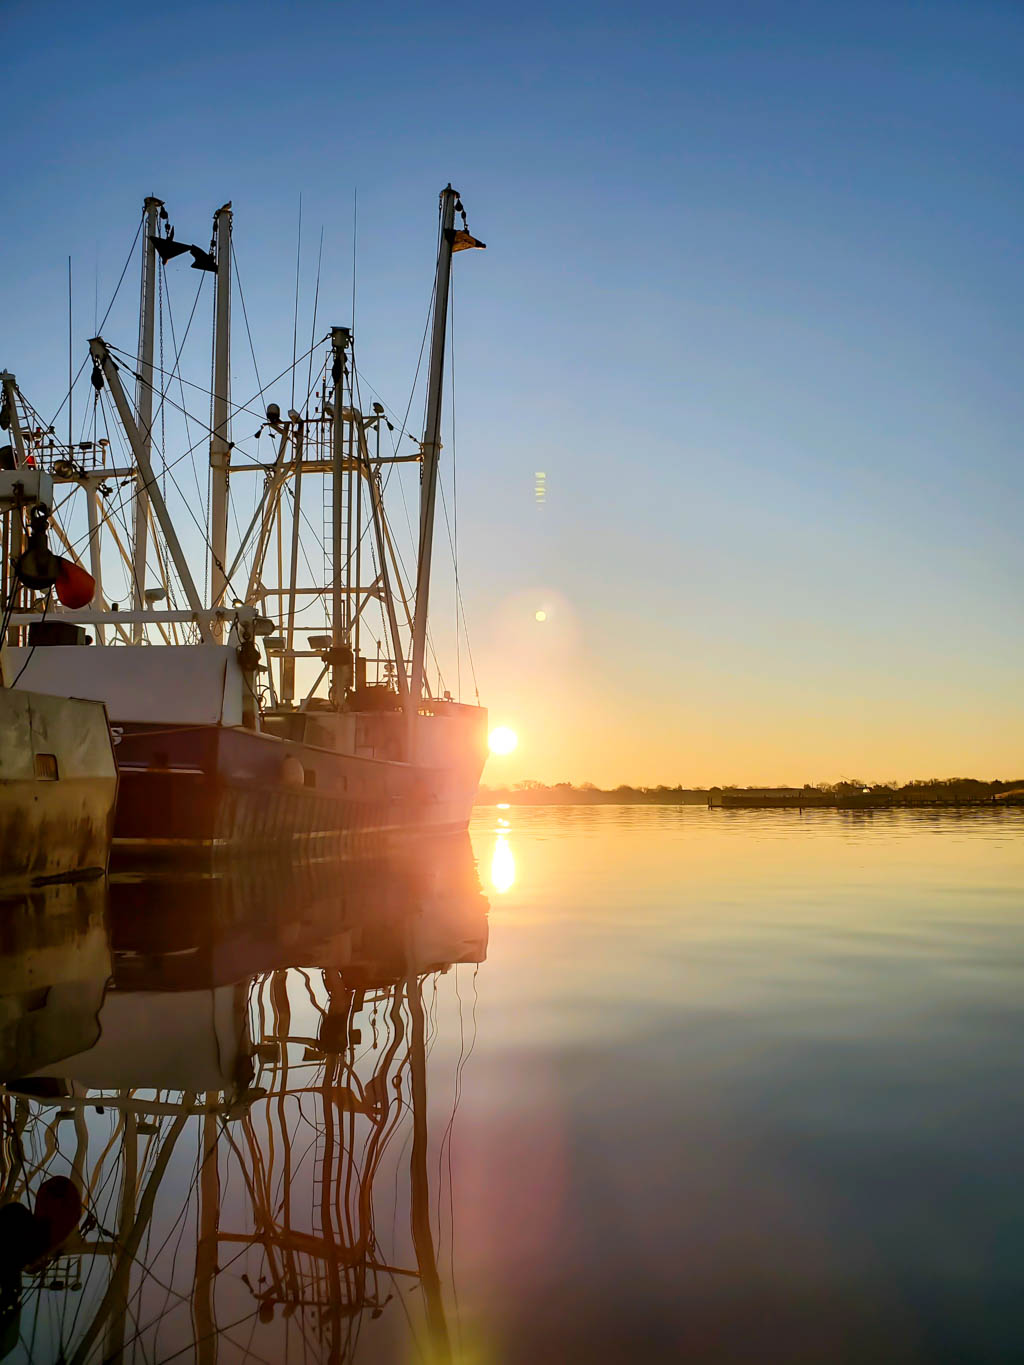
(503, 865)
(748, 1086)
(600, 1083)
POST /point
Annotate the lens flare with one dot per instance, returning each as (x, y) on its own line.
(502, 740)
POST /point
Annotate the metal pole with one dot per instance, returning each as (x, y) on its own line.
(113, 1345)
(265, 513)
(432, 441)
(357, 484)
(100, 354)
(14, 540)
(340, 339)
(95, 558)
(10, 388)
(220, 439)
(288, 688)
(380, 531)
(144, 402)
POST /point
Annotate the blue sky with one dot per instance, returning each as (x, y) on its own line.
(752, 299)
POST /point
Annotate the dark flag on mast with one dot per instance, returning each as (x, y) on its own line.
(202, 260)
(167, 248)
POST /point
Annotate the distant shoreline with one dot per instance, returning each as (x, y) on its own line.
(937, 792)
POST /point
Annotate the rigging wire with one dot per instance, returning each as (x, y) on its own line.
(245, 315)
(202, 530)
(129, 360)
(124, 271)
(453, 540)
(118, 508)
(396, 548)
(162, 394)
(181, 388)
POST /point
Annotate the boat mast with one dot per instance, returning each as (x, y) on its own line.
(220, 435)
(379, 520)
(13, 531)
(431, 446)
(144, 403)
(341, 338)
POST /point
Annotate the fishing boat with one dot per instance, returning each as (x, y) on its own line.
(58, 777)
(265, 707)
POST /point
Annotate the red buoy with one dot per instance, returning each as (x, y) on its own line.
(75, 587)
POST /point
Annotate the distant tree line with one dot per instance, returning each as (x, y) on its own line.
(939, 791)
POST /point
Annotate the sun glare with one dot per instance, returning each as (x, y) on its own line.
(502, 740)
(503, 866)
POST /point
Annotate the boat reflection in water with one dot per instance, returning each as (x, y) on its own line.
(215, 1139)
(54, 968)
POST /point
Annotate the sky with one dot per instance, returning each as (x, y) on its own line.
(752, 301)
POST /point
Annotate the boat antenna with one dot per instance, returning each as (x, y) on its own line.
(312, 330)
(295, 319)
(355, 226)
(71, 369)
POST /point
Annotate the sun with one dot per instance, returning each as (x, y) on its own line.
(502, 740)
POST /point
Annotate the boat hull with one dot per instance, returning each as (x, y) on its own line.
(58, 785)
(211, 788)
(196, 774)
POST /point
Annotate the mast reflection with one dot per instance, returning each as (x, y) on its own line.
(251, 1094)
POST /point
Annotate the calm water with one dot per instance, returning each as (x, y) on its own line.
(607, 1084)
